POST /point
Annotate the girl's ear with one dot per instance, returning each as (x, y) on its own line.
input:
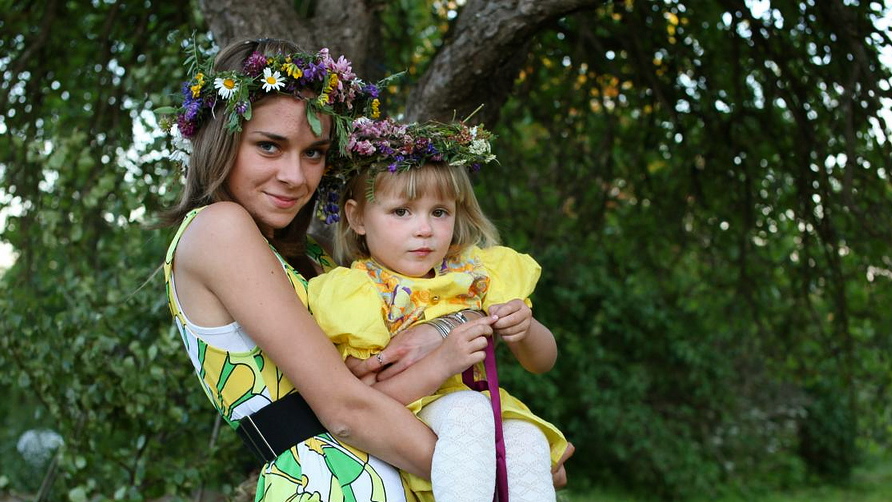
(354, 216)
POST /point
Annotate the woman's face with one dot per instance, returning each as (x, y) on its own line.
(279, 162)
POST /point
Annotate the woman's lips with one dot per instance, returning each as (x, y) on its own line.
(283, 202)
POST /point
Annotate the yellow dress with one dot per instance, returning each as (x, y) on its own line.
(240, 379)
(360, 308)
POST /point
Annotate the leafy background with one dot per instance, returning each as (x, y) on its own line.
(705, 184)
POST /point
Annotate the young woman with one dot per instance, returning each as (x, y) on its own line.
(259, 122)
(423, 252)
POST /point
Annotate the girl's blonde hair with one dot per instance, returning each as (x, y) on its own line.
(472, 227)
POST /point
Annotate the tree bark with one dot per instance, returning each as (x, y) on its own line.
(479, 62)
(343, 26)
(476, 65)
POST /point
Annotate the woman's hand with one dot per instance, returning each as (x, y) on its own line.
(464, 347)
(404, 350)
(559, 473)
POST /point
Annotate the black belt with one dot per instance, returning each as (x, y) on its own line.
(278, 426)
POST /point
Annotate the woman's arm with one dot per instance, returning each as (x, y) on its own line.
(225, 261)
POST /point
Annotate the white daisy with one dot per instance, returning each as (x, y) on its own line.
(226, 86)
(272, 81)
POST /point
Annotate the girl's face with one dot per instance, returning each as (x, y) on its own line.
(409, 237)
(279, 162)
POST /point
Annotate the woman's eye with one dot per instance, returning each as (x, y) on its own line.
(316, 153)
(267, 146)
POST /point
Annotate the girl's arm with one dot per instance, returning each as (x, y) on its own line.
(227, 272)
(530, 341)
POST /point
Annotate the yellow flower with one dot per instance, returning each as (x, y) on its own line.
(199, 83)
(376, 111)
(292, 70)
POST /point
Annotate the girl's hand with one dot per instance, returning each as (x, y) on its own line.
(465, 346)
(515, 319)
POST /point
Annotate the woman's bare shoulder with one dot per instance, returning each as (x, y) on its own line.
(221, 232)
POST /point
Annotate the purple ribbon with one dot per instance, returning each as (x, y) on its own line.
(492, 385)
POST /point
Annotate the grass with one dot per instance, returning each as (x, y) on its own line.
(870, 483)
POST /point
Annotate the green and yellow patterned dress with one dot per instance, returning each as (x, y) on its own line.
(240, 379)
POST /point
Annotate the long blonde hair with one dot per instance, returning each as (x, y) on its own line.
(472, 227)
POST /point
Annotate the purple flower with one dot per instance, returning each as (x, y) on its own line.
(342, 67)
(192, 108)
(371, 90)
(313, 71)
(255, 64)
(363, 147)
(186, 126)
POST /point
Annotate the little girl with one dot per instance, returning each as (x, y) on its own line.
(423, 251)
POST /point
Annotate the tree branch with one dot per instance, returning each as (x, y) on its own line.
(479, 63)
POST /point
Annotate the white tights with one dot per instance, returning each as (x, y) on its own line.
(464, 468)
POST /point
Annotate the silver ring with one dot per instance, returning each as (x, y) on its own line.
(380, 357)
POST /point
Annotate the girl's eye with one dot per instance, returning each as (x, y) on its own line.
(400, 211)
(440, 213)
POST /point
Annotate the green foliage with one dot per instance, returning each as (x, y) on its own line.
(704, 189)
(695, 183)
(85, 335)
(827, 435)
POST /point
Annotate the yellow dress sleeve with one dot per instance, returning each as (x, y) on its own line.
(347, 307)
(512, 274)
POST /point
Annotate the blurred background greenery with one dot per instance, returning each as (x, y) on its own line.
(706, 185)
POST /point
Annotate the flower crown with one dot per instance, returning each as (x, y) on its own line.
(379, 145)
(326, 85)
(387, 144)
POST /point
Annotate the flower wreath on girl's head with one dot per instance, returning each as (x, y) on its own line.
(326, 85)
(379, 145)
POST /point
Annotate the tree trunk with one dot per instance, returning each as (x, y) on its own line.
(475, 66)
